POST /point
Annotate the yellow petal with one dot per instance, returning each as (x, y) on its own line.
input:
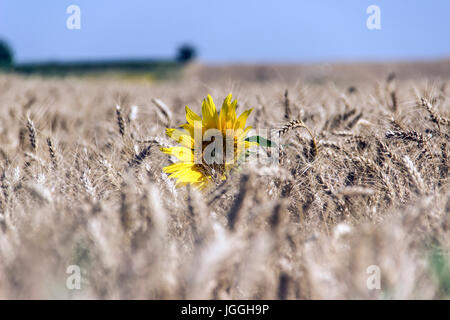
(240, 123)
(189, 128)
(188, 175)
(182, 137)
(191, 116)
(249, 144)
(228, 114)
(209, 113)
(178, 166)
(223, 113)
(182, 153)
(243, 133)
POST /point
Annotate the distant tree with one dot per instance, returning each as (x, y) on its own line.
(6, 55)
(186, 53)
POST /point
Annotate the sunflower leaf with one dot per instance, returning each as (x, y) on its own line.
(263, 142)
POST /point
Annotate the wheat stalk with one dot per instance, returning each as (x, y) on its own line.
(32, 134)
(120, 121)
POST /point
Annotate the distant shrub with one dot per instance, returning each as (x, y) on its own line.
(6, 55)
(186, 53)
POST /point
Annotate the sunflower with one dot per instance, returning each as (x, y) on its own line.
(209, 147)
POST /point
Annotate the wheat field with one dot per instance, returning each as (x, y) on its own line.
(82, 184)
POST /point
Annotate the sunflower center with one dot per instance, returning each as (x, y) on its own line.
(219, 150)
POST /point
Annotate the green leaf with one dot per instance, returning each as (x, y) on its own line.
(262, 141)
(440, 266)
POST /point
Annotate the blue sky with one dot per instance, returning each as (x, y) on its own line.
(228, 31)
